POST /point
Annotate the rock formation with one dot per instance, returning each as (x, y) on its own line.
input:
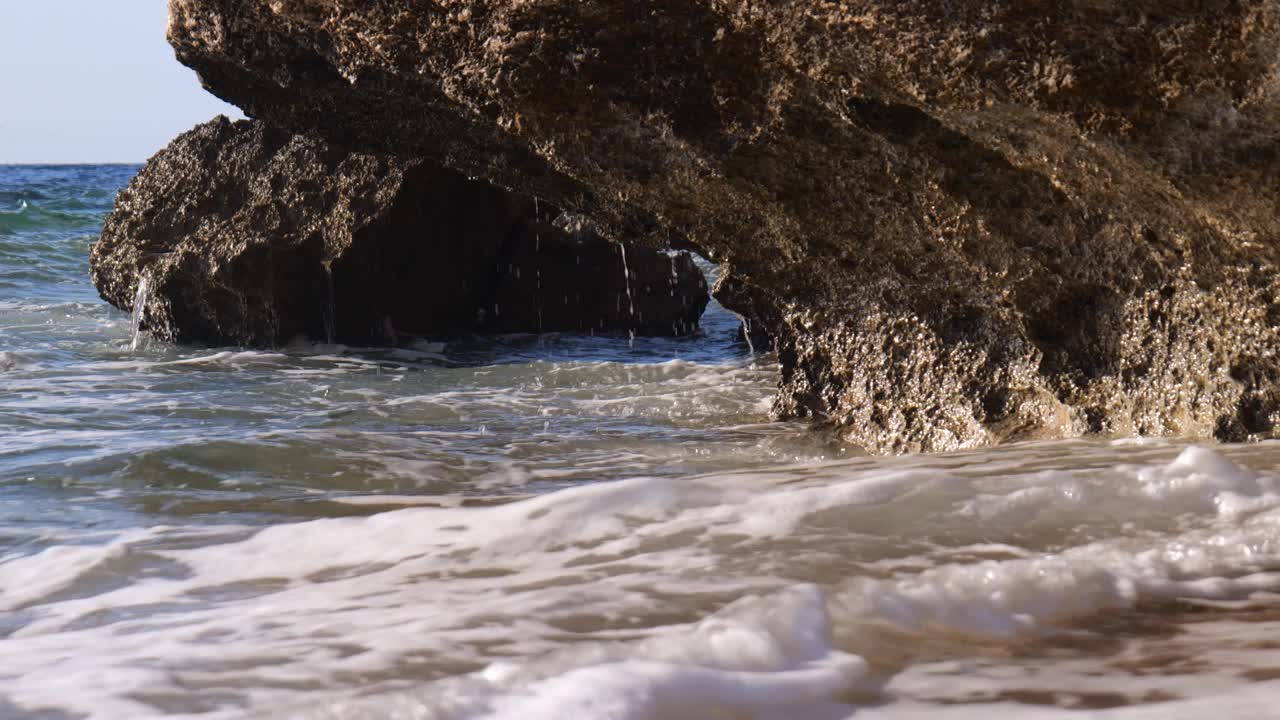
(249, 235)
(962, 221)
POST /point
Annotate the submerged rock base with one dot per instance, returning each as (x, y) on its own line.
(250, 235)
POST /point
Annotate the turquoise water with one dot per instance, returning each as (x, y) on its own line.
(569, 527)
(49, 217)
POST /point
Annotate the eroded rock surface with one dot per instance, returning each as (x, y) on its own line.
(249, 235)
(961, 221)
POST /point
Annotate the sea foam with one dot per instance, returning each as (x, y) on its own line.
(763, 595)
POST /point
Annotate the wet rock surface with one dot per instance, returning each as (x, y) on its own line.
(249, 235)
(961, 222)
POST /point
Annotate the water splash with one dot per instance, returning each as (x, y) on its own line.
(140, 298)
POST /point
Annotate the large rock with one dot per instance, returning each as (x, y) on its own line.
(961, 221)
(248, 235)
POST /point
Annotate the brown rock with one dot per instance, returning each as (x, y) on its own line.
(962, 222)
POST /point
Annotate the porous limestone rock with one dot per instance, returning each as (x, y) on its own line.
(249, 235)
(962, 221)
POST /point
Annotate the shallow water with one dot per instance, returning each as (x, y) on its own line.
(569, 527)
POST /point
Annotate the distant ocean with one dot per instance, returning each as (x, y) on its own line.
(555, 526)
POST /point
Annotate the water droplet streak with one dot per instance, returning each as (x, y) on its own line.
(140, 297)
(626, 277)
(746, 333)
(330, 308)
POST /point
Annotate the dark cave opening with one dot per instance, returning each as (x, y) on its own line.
(459, 257)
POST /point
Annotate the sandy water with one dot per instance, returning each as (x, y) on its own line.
(565, 527)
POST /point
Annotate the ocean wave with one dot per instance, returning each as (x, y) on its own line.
(31, 217)
(650, 597)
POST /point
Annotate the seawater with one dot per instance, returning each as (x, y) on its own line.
(570, 527)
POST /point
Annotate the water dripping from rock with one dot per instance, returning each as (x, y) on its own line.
(330, 307)
(626, 278)
(140, 298)
(746, 334)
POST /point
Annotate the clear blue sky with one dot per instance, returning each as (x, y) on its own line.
(92, 81)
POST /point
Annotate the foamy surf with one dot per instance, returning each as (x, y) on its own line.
(803, 592)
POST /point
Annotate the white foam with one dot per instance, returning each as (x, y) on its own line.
(768, 657)
(1201, 480)
(750, 594)
(25, 579)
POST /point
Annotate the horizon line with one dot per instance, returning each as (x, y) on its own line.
(77, 163)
